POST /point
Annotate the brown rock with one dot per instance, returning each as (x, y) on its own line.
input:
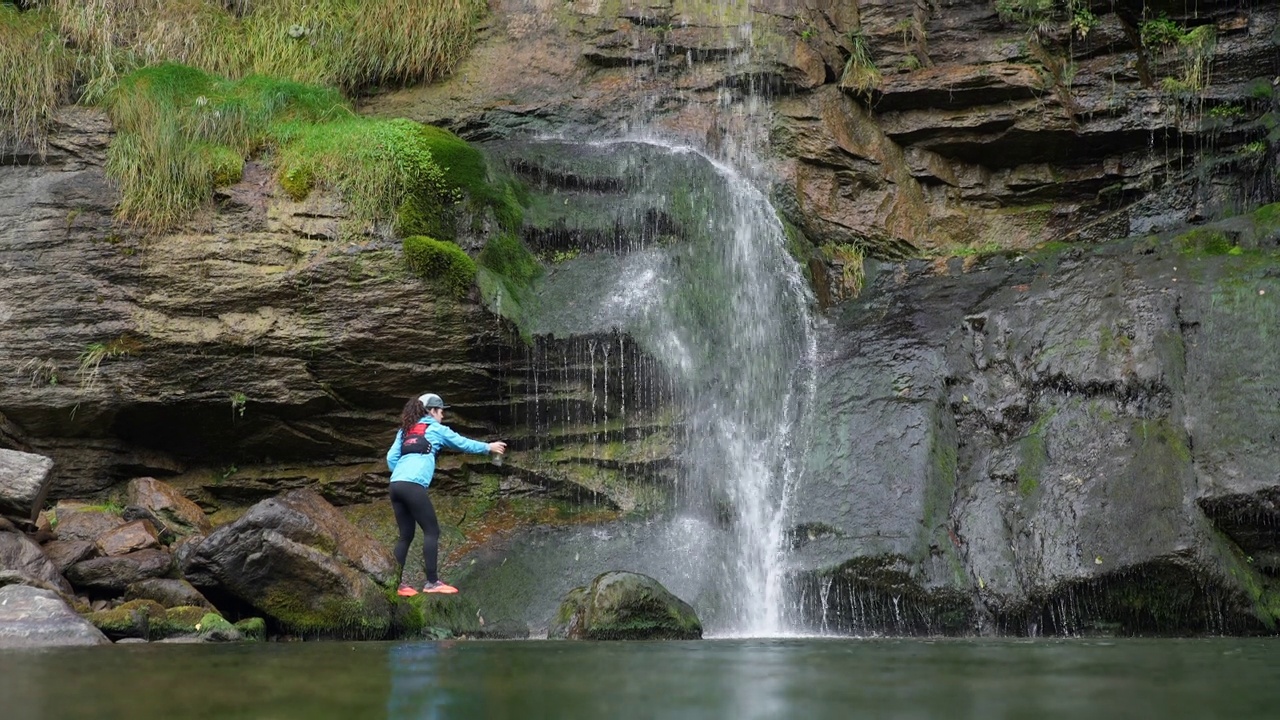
(65, 553)
(78, 521)
(114, 574)
(136, 535)
(169, 506)
(169, 592)
(19, 554)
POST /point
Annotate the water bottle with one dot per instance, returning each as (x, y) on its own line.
(495, 458)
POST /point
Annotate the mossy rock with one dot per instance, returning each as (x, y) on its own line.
(252, 628)
(134, 619)
(330, 616)
(183, 620)
(215, 628)
(441, 263)
(437, 616)
(625, 606)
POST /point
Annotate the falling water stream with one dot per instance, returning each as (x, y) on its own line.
(719, 306)
(729, 319)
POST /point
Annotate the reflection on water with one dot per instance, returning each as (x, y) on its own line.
(813, 678)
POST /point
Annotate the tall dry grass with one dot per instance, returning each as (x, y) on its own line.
(36, 72)
(349, 44)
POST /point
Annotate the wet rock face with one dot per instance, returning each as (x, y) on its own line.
(973, 128)
(297, 560)
(1037, 443)
(624, 606)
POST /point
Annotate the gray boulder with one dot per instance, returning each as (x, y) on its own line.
(624, 606)
(24, 483)
(298, 560)
(34, 617)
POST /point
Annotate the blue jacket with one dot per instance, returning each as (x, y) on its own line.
(421, 467)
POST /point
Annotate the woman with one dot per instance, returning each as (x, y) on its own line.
(412, 459)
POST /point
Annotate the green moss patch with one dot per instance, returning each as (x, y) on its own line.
(508, 270)
(1204, 241)
(376, 165)
(441, 263)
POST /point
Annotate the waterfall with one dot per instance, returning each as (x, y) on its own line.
(710, 293)
(726, 313)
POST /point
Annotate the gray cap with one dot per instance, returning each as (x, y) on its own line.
(432, 400)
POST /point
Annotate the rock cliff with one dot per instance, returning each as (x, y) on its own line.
(996, 422)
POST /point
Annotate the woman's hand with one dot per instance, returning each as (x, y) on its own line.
(498, 447)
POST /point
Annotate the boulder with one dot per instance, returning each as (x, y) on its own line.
(625, 606)
(297, 560)
(79, 521)
(136, 535)
(114, 574)
(33, 617)
(20, 555)
(169, 592)
(174, 511)
(24, 483)
(65, 553)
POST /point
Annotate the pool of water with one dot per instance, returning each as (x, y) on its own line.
(793, 678)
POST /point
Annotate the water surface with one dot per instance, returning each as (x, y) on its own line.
(802, 678)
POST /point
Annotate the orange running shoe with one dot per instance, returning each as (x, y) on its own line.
(406, 591)
(439, 587)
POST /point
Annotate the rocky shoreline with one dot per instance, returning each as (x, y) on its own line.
(291, 568)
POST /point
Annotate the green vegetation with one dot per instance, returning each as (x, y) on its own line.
(181, 131)
(440, 262)
(1028, 12)
(35, 75)
(1224, 112)
(1034, 455)
(251, 628)
(851, 260)
(507, 272)
(375, 165)
(860, 72)
(1203, 241)
(69, 48)
(349, 44)
(1195, 47)
(90, 360)
(238, 401)
(1160, 32)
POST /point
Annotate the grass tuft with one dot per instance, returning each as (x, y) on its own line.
(182, 132)
(376, 165)
(36, 71)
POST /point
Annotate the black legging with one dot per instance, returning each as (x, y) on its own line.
(412, 507)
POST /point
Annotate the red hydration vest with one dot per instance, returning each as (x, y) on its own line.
(415, 441)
